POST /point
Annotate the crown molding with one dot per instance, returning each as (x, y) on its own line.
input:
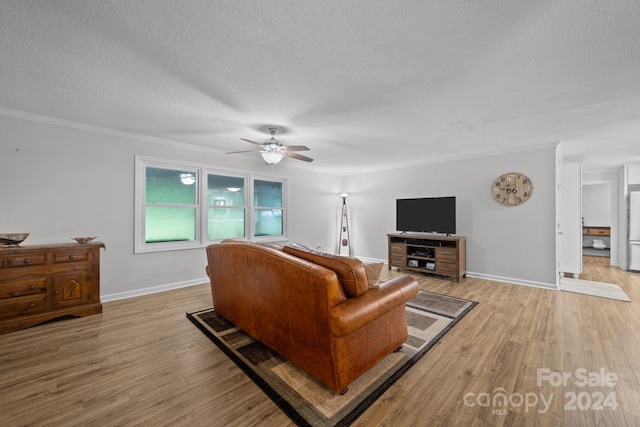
(193, 147)
(447, 159)
(7, 112)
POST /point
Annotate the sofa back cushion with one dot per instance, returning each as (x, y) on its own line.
(350, 271)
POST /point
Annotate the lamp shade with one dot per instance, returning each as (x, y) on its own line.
(272, 157)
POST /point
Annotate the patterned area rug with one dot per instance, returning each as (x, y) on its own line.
(310, 403)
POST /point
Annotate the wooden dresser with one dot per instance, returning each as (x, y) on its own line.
(43, 282)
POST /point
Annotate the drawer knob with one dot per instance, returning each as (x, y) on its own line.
(32, 305)
(71, 257)
(27, 261)
(32, 287)
(56, 292)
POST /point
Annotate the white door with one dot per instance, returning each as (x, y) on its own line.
(570, 219)
(634, 216)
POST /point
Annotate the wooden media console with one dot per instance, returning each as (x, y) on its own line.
(431, 254)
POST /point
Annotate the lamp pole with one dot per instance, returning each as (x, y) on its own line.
(344, 243)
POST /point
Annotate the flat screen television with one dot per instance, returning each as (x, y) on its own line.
(426, 215)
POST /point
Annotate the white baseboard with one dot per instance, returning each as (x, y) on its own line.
(178, 285)
(152, 290)
(511, 280)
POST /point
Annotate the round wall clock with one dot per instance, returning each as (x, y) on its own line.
(512, 189)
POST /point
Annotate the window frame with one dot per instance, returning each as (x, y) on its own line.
(253, 208)
(202, 172)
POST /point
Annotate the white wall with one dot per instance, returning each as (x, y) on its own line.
(514, 244)
(58, 182)
(596, 205)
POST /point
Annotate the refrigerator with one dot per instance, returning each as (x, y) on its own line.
(634, 230)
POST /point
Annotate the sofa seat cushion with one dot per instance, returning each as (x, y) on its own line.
(351, 272)
(374, 270)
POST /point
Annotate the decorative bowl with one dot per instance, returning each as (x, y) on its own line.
(82, 240)
(12, 239)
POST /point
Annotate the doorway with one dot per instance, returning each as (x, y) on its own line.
(600, 219)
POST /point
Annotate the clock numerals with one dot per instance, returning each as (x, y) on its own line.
(512, 189)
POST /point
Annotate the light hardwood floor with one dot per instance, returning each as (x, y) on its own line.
(141, 362)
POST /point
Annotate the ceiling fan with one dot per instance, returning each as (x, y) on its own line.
(272, 150)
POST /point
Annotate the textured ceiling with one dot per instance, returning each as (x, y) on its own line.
(365, 84)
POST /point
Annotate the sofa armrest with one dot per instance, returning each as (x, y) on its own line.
(354, 313)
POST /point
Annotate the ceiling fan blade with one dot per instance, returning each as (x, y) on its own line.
(244, 151)
(299, 157)
(252, 142)
(295, 148)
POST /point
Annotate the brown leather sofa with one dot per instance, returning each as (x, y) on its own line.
(317, 310)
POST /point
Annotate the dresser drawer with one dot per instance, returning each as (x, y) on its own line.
(397, 261)
(23, 306)
(451, 252)
(75, 256)
(397, 249)
(18, 288)
(26, 260)
(445, 268)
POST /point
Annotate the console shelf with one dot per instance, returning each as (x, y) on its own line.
(441, 255)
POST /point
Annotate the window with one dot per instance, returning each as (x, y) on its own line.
(267, 202)
(225, 207)
(170, 205)
(184, 206)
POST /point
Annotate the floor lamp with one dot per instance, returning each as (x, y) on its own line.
(344, 243)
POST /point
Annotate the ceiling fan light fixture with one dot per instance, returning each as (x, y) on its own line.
(273, 151)
(272, 157)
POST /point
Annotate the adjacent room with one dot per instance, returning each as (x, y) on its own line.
(477, 162)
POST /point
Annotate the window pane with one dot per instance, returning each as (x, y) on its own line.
(169, 224)
(225, 223)
(170, 186)
(267, 194)
(225, 190)
(268, 222)
(225, 213)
